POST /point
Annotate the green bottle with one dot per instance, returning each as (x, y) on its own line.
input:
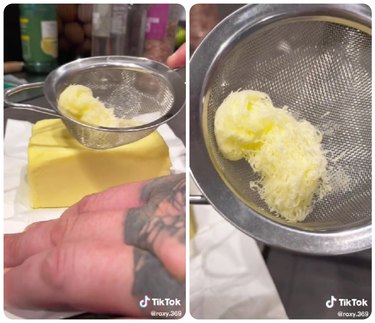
(39, 37)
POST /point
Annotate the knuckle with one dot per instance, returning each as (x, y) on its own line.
(55, 267)
(84, 203)
(87, 203)
(60, 230)
(12, 245)
(32, 226)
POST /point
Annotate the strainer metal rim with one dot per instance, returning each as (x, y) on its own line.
(171, 76)
(246, 20)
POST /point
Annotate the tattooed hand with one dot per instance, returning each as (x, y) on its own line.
(104, 254)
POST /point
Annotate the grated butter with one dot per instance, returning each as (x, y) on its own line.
(284, 151)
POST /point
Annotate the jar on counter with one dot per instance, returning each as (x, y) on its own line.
(74, 25)
(162, 22)
(119, 34)
(39, 34)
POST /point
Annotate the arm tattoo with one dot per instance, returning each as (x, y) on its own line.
(151, 278)
(161, 216)
(162, 213)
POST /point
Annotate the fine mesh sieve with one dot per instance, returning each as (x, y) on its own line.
(316, 59)
(135, 88)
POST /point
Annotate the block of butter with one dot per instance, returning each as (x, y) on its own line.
(61, 171)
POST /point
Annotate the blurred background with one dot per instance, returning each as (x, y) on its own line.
(40, 37)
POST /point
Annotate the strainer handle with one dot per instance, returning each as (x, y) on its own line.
(198, 200)
(23, 106)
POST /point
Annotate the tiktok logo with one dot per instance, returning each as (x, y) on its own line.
(331, 302)
(144, 302)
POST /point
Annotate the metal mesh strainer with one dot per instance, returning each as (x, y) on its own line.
(136, 88)
(316, 59)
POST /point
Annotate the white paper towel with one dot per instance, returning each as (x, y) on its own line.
(17, 211)
(228, 276)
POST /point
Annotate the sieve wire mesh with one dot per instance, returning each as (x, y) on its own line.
(132, 93)
(322, 72)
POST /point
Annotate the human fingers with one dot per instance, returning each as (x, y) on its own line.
(158, 225)
(39, 236)
(89, 276)
(153, 212)
(43, 235)
(63, 277)
(120, 197)
(178, 58)
(156, 222)
(104, 226)
(19, 246)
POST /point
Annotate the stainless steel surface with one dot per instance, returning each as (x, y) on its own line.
(316, 59)
(132, 86)
(22, 89)
(198, 200)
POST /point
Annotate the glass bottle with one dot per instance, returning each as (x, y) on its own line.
(119, 20)
(136, 29)
(39, 34)
(101, 30)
